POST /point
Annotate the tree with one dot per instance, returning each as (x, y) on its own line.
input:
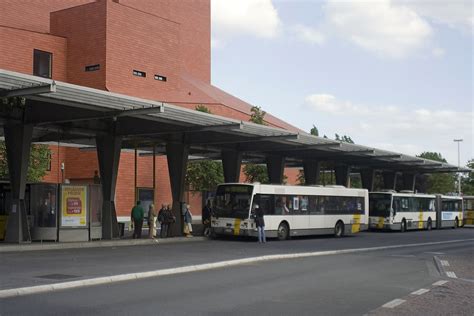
(204, 175)
(314, 131)
(40, 156)
(203, 108)
(437, 182)
(257, 115)
(468, 181)
(255, 173)
(344, 139)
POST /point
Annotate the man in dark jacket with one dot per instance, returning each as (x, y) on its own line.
(260, 223)
(137, 220)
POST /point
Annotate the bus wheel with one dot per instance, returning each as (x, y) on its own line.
(339, 229)
(283, 231)
(429, 225)
(403, 227)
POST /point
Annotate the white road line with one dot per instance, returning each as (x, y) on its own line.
(451, 274)
(439, 283)
(199, 267)
(420, 292)
(444, 263)
(435, 253)
(393, 303)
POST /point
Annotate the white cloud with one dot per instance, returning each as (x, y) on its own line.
(438, 52)
(258, 18)
(308, 34)
(410, 130)
(383, 27)
(457, 14)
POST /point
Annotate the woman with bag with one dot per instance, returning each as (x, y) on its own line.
(188, 219)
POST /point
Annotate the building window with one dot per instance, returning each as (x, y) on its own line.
(48, 167)
(160, 78)
(93, 67)
(42, 63)
(139, 73)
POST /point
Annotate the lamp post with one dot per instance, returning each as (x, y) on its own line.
(459, 164)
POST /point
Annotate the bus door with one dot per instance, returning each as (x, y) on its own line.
(300, 212)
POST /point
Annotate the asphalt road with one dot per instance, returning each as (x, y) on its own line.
(353, 284)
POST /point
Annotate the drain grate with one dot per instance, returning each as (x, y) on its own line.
(58, 276)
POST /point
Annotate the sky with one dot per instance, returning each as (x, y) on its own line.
(391, 74)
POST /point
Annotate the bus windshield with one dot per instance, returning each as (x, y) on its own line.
(379, 204)
(233, 201)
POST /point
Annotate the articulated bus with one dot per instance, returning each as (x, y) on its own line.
(289, 210)
(390, 210)
(468, 202)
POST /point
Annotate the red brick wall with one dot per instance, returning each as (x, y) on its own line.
(145, 42)
(32, 14)
(16, 51)
(85, 29)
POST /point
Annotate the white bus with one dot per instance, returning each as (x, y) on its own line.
(468, 206)
(448, 211)
(391, 210)
(289, 210)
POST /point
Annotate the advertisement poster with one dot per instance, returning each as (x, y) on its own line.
(74, 206)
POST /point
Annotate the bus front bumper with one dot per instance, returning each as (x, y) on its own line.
(252, 232)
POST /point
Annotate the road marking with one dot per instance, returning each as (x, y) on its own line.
(420, 292)
(199, 267)
(444, 263)
(439, 283)
(403, 256)
(451, 274)
(435, 253)
(393, 303)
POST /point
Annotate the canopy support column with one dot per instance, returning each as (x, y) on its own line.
(18, 145)
(342, 175)
(275, 168)
(231, 163)
(368, 176)
(177, 156)
(311, 170)
(108, 153)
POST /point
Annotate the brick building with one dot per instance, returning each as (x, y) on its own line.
(158, 50)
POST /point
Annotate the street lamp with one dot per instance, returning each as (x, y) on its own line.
(459, 165)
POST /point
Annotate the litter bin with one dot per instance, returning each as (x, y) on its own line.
(121, 229)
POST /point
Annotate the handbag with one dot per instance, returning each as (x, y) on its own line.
(186, 229)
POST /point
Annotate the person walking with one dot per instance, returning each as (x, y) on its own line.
(260, 223)
(151, 221)
(170, 220)
(137, 220)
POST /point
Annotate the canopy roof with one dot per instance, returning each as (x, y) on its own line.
(67, 113)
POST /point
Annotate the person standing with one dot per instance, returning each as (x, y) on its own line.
(137, 220)
(188, 219)
(206, 218)
(151, 221)
(260, 223)
(161, 220)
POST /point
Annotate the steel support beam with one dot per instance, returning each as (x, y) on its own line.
(18, 146)
(22, 92)
(231, 163)
(342, 175)
(177, 156)
(275, 168)
(409, 180)
(368, 176)
(108, 152)
(311, 171)
(389, 180)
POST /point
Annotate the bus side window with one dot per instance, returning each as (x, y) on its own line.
(404, 205)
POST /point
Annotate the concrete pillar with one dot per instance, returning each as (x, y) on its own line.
(18, 145)
(177, 155)
(275, 167)
(311, 170)
(108, 152)
(389, 180)
(231, 163)
(409, 180)
(342, 175)
(368, 178)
